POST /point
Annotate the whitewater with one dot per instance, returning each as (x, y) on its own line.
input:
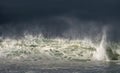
(39, 48)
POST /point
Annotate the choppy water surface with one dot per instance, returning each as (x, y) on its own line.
(32, 54)
(68, 67)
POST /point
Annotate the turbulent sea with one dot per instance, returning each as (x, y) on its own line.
(36, 54)
(59, 36)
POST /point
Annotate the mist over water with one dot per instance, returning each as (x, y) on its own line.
(60, 38)
(57, 26)
(59, 17)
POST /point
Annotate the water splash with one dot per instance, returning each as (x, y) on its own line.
(32, 47)
(40, 48)
(101, 50)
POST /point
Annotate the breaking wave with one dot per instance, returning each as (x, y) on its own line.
(36, 48)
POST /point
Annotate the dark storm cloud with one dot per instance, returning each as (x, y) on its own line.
(13, 14)
(39, 8)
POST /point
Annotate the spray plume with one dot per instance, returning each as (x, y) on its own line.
(101, 50)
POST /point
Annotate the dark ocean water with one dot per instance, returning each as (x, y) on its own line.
(82, 67)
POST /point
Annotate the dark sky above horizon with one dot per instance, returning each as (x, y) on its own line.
(84, 9)
(104, 11)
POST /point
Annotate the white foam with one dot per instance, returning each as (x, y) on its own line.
(101, 51)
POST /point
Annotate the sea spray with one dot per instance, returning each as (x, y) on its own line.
(39, 48)
(101, 50)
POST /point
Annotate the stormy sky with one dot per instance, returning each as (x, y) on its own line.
(58, 16)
